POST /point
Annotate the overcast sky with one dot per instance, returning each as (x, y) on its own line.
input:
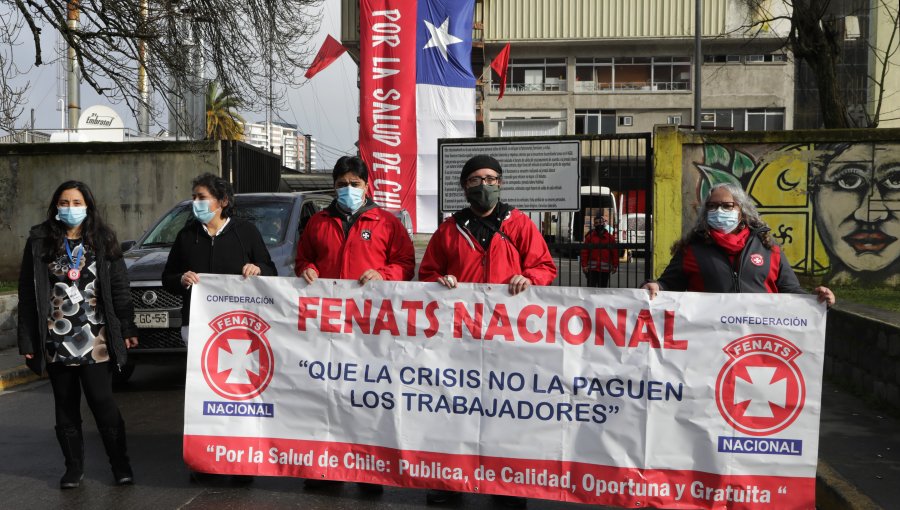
(325, 107)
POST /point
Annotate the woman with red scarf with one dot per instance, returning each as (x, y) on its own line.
(730, 250)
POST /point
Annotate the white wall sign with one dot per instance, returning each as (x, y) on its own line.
(537, 175)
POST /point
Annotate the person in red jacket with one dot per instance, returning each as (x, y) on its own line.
(353, 238)
(599, 263)
(487, 242)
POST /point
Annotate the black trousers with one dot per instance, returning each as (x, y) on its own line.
(597, 279)
(96, 381)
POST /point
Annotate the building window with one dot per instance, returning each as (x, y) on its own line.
(595, 122)
(626, 120)
(533, 75)
(747, 59)
(755, 119)
(673, 119)
(632, 73)
(722, 59)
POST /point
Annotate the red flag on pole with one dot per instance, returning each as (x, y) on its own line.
(500, 64)
(329, 52)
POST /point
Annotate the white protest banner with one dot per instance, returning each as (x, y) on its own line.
(586, 395)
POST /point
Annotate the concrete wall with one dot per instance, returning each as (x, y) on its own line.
(829, 196)
(9, 304)
(133, 183)
(863, 352)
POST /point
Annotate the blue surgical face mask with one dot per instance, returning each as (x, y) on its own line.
(201, 211)
(71, 216)
(724, 221)
(351, 198)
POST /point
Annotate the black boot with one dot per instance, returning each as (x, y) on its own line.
(117, 450)
(72, 444)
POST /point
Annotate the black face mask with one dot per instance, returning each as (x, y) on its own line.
(483, 197)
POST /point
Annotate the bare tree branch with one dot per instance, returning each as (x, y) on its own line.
(238, 43)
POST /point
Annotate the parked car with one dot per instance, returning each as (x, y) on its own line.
(405, 219)
(280, 218)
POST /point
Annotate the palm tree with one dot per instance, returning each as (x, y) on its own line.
(222, 121)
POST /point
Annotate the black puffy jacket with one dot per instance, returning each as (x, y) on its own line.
(704, 267)
(34, 301)
(194, 250)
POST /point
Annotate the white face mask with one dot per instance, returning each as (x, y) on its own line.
(724, 221)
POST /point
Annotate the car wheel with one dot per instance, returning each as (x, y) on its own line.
(121, 377)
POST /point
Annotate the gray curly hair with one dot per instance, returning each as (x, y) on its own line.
(749, 217)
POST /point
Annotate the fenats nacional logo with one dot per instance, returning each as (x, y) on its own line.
(237, 359)
(760, 390)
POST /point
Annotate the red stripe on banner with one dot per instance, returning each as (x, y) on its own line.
(387, 106)
(545, 479)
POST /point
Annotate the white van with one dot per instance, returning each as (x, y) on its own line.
(632, 229)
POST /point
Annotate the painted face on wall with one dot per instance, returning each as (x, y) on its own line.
(858, 206)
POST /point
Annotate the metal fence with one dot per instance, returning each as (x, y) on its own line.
(616, 182)
(250, 169)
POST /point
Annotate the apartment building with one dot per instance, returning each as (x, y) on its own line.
(276, 137)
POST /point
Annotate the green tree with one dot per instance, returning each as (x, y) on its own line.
(222, 121)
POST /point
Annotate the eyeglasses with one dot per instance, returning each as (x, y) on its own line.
(344, 184)
(725, 206)
(475, 181)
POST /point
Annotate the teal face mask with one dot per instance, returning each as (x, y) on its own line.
(351, 198)
(71, 216)
(201, 211)
(724, 221)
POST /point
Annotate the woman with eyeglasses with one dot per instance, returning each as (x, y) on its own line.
(354, 238)
(489, 241)
(730, 250)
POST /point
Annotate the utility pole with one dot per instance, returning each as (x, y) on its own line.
(143, 84)
(74, 91)
(698, 60)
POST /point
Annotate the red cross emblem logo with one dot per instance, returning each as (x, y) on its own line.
(760, 391)
(237, 359)
(756, 259)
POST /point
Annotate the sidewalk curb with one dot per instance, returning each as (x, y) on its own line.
(15, 376)
(834, 492)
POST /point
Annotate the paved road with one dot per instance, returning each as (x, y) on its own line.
(31, 464)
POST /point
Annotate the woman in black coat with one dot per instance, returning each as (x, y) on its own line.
(215, 243)
(76, 320)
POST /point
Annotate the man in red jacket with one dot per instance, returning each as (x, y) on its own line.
(599, 263)
(353, 238)
(487, 242)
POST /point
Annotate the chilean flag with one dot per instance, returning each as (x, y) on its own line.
(416, 85)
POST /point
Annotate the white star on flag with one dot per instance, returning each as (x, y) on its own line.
(761, 391)
(238, 361)
(441, 37)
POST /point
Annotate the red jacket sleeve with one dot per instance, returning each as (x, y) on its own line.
(434, 262)
(537, 264)
(401, 257)
(586, 253)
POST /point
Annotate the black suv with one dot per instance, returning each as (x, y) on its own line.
(280, 218)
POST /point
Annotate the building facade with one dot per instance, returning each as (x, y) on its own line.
(623, 66)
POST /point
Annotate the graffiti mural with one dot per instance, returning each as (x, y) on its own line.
(835, 208)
